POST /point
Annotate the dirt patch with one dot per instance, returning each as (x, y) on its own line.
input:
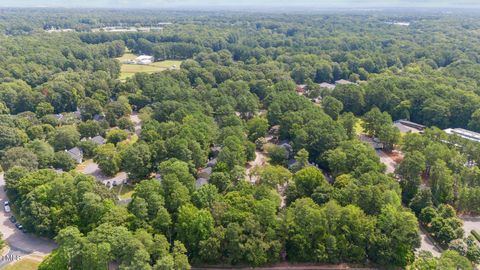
(396, 156)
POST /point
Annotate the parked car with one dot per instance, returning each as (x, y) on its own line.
(20, 227)
(12, 219)
(6, 206)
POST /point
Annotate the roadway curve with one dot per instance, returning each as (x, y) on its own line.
(21, 244)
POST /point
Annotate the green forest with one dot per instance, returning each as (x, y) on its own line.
(250, 153)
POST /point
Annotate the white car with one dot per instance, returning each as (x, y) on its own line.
(6, 206)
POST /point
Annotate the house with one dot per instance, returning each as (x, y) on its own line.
(205, 172)
(144, 59)
(328, 86)
(212, 162)
(301, 88)
(342, 81)
(412, 124)
(287, 147)
(466, 134)
(408, 127)
(99, 140)
(200, 182)
(76, 153)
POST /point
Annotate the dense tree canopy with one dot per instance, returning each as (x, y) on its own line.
(273, 99)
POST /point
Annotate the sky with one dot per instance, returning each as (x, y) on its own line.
(239, 3)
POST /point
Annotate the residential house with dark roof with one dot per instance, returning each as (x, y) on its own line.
(99, 140)
(76, 153)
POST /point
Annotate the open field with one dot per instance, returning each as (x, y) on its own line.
(123, 191)
(128, 70)
(358, 127)
(24, 264)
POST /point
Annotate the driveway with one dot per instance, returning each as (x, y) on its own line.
(91, 168)
(137, 122)
(387, 160)
(260, 161)
(20, 243)
(470, 223)
(427, 244)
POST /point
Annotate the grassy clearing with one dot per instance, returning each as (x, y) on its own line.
(123, 191)
(128, 70)
(358, 127)
(23, 264)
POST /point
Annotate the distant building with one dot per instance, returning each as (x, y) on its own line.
(301, 88)
(342, 81)
(140, 60)
(287, 147)
(99, 140)
(200, 182)
(329, 86)
(212, 162)
(58, 30)
(76, 153)
(466, 134)
(144, 59)
(205, 172)
(408, 127)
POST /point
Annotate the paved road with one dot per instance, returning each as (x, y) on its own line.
(260, 161)
(470, 223)
(137, 122)
(387, 160)
(427, 244)
(20, 243)
(91, 168)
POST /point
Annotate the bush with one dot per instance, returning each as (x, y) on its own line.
(62, 160)
(476, 235)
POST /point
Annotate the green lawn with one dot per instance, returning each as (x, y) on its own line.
(123, 191)
(358, 127)
(23, 264)
(128, 70)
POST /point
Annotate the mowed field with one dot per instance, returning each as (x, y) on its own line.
(24, 264)
(128, 70)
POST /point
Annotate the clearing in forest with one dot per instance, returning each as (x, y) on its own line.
(128, 70)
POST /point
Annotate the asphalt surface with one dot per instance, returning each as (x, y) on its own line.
(387, 160)
(21, 244)
(470, 223)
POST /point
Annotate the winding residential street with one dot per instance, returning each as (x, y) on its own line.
(470, 223)
(387, 160)
(137, 122)
(260, 160)
(20, 243)
(426, 242)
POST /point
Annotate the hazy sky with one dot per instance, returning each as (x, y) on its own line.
(241, 3)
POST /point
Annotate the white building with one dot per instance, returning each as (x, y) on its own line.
(144, 59)
(466, 134)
